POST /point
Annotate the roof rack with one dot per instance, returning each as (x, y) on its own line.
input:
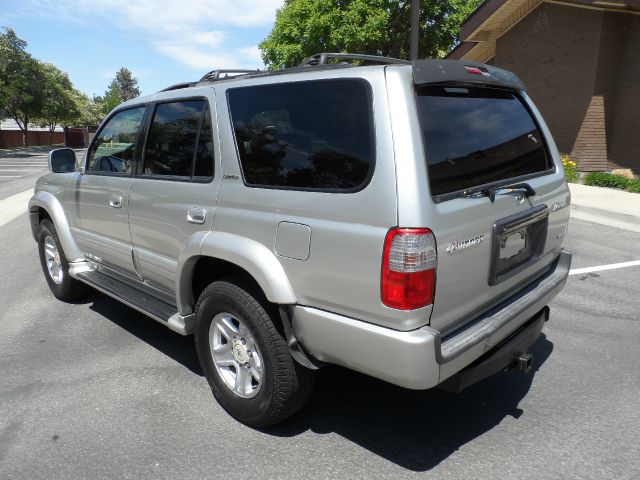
(178, 86)
(319, 59)
(322, 59)
(221, 74)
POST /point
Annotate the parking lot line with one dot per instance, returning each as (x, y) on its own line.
(611, 266)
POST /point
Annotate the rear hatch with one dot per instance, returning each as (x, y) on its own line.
(493, 185)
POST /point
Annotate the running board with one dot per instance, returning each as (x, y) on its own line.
(139, 297)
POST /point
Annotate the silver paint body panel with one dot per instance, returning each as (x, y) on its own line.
(317, 251)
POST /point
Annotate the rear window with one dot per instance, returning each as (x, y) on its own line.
(475, 136)
(313, 135)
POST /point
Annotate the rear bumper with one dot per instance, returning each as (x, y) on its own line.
(501, 357)
(421, 358)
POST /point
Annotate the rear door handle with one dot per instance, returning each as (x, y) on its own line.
(115, 201)
(196, 215)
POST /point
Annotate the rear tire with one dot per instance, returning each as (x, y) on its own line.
(245, 357)
(55, 265)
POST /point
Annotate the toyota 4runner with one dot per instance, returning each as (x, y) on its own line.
(403, 219)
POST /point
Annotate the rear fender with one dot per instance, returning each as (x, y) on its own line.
(253, 257)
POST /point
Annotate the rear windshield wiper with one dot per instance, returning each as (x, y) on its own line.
(490, 192)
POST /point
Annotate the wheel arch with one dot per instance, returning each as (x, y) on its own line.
(45, 205)
(215, 255)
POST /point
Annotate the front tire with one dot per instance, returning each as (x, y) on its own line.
(245, 357)
(55, 265)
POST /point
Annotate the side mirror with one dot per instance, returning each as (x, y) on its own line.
(62, 160)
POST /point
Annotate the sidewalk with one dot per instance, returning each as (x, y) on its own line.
(10, 152)
(606, 206)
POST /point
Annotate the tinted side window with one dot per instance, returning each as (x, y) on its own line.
(204, 152)
(172, 138)
(114, 147)
(315, 135)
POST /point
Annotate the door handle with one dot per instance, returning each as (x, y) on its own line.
(115, 201)
(196, 215)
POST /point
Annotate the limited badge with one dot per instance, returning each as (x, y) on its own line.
(469, 242)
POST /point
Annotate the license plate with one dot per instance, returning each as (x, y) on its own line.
(513, 244)
(518, 242)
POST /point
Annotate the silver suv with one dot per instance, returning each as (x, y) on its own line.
(404, 220)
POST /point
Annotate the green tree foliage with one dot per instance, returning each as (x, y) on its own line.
(60, 106)
(107, 102)
(91, 114)
(32, 91)
(22, 82)
(375, 27)
(122, 88)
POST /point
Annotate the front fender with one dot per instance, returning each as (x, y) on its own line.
(256, 259)
(53, 207)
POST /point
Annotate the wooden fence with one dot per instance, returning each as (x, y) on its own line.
(72, 137)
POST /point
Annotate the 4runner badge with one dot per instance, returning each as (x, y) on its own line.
(469, 242)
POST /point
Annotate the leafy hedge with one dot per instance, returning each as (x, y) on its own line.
(602, 179)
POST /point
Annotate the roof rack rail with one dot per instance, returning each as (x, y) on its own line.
(178, 86)
(221, 74)
(323, 58)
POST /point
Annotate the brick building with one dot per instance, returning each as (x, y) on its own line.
(580, 61)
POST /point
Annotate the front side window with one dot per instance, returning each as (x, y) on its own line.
(314, 135)
(172, 142)
(114, 147)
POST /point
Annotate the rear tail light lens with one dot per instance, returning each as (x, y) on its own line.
(408, 268)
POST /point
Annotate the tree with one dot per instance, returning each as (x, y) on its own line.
(127, 85)
(375, 27)
(122, 88)
(108, 102)
(90, 111)
(21, 83)
(59, 105)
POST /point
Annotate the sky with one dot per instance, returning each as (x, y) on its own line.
(161, 41)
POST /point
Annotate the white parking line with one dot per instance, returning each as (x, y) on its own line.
(20, 169)
(10, 176)
(612, 266)
(14, 206)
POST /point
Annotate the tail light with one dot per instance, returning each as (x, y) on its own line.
(408, 268)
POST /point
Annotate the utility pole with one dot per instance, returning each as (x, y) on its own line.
(415, 23)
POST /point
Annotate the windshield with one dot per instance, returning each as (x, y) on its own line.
(475, 136)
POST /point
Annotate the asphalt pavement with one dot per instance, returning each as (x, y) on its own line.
(96, 390)
(19, 170)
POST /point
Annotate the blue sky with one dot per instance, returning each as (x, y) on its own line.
(161, 41)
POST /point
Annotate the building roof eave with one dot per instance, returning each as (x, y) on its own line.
(493, 18)
(461, 50)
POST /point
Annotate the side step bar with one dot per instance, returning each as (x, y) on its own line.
(138, 296)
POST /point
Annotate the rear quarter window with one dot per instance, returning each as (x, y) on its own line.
(312, 135)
